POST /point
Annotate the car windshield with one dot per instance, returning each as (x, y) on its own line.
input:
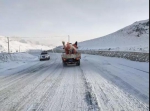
(43, 53)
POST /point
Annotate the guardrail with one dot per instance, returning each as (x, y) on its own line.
(134, 56)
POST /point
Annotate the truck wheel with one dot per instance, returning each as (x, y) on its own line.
(78, 63)
(64, 64)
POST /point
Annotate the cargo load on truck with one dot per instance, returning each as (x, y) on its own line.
(71, 54)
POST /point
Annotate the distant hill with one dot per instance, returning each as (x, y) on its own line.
(131, 38)
(23, 45)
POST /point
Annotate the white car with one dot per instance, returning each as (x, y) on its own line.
(44, 56)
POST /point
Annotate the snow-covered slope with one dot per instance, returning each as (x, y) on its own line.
(22, 45)
(132, 38)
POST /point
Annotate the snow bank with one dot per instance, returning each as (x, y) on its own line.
(5, 57)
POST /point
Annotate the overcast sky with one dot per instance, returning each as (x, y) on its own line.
(81, 19)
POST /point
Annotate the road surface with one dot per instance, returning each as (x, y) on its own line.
(99, 84)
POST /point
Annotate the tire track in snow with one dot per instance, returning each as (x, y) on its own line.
(49, 93)
(90, 97)
(70, 93)
(122, 84)
(79, 102)
(10, 88)
(18, 77)
(27, 70)
(23, 73)
(29, 100)
(134, 68)
(109, 96)
(14, 91)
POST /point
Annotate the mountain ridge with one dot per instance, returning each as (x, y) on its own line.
(134, 37)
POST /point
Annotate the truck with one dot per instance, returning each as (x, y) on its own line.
(71, 54)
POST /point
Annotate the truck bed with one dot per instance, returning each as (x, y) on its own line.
(69, 56)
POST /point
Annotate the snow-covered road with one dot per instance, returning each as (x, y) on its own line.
(99, 84)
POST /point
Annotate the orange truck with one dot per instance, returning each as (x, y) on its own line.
(71, 55)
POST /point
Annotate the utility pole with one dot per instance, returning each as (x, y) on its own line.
(8, 45)
(68, 38)
(19, 48)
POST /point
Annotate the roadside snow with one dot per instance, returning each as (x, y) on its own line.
(15, 60)
(132, 77)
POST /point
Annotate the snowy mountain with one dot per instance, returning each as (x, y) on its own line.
(20, 44)
(131, 38)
